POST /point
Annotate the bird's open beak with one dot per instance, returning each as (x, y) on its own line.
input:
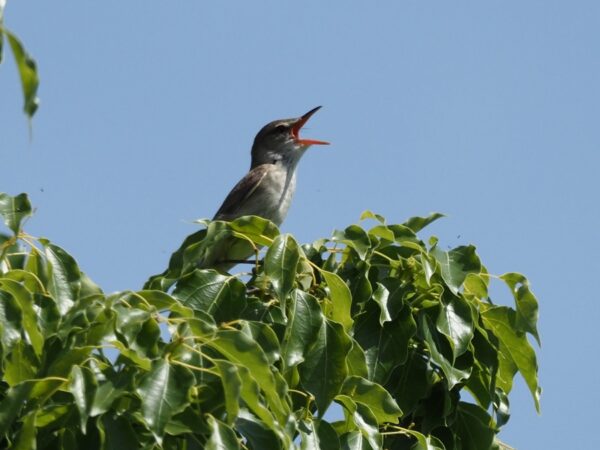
(299, 124)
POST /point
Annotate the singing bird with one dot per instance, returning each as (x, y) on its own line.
(265, 191)
(268, 188)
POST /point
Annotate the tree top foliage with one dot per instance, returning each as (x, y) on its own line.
(398, 332)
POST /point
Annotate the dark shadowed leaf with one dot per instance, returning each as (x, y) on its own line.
(257, 433)
(164, 391)
(14, 209)
(324, 369)
(434, 341)
(26, 439)
(474, 427)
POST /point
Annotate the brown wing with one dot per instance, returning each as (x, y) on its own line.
(240, 193)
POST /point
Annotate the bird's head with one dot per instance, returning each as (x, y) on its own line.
(280, 141)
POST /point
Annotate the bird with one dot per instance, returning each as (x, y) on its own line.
(268, 188)
(265, 191)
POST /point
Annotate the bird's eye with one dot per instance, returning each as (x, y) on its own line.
(281, 128)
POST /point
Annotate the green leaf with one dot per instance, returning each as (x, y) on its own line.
(418, 223)
(83, 388)
(221, 296)
(410, 382)
(455, 322)
(232, 386)
(29, 314)
(11, 320)
(525, 301)
(385, 347)
(264, 336)
(371, 215)
(515, 350)
(11, 405)
(27, 73)
(381, 296)
(222, 437)
(474, 427)
(240, 349)
(305, 319)
(257, 434)
(374, 396)
(281, 261)
(260, 231)
(20, 365)
(363, 419)
(119, 433)
(357, 361)
(454, 374)
(317, 434)
(356, 238)
(324, 369)
(26, 438)
(341, 300)
(64, 282)
(456, 264)
(14, 209)
(164, 391)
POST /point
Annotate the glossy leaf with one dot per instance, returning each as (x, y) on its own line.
(456, 323)
(281, 261)
(222, 437)
(305, 321)
(456, 264)
(83, 388)
(64, 276)
(221, 296)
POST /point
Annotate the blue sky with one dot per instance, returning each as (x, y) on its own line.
(485, 111)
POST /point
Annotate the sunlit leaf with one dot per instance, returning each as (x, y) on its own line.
(222, 437)
(14, 209)
(456, 264)
(281, 261)
(27, 73)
